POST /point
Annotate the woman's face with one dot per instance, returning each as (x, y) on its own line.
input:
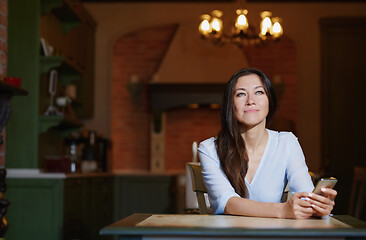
(250, 101)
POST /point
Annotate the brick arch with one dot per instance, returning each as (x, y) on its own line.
(135, 55)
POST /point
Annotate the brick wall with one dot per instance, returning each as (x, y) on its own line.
(136, 57)
(3, 59)
(139, 54)
(183, 126)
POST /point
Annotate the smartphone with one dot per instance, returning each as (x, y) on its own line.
(324, 183)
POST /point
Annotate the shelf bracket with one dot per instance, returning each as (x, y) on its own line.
(50, 62)
(46, 122)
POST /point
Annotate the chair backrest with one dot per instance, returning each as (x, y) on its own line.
(358, 193)
(198, 186)
(286, 192)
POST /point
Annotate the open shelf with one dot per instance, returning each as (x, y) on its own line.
(68, 72)
(46, 122)
(58, 122)
(6, 88)
(64, 11)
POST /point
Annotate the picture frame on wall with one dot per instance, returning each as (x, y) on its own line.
(46, 49)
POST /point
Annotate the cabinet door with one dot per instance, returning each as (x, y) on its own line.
(88, 207)
(145, 194)
(101, 206)
(35, 209)
(74, 201)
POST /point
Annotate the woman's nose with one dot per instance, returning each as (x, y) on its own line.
(250, 101)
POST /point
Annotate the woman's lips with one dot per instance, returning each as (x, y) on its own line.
(251, 111)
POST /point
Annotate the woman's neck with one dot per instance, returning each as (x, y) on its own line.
(255, 138)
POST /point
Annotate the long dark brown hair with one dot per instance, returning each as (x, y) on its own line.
(229, 143)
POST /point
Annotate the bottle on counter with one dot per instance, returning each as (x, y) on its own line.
(103, 146)
(72, 152)
(89, 154)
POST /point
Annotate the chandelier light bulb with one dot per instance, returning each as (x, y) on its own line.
(205, 27)
(266, 24)
(216, 22)
(276, 30)
(241, 23)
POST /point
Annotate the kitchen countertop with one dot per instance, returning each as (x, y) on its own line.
(37, 173)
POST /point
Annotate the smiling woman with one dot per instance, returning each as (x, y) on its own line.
(247, 166)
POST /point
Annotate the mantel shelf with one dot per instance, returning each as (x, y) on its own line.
(6, 88)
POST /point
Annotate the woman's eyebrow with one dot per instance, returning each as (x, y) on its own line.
(244, 89)
(240, 89)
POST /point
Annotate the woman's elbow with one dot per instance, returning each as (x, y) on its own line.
(231, 206)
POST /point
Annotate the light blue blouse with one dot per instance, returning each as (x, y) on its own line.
(282, 161)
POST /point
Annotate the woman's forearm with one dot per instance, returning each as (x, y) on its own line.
(247, 207)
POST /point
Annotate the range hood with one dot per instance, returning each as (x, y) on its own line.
(164, 97)
(168, 96)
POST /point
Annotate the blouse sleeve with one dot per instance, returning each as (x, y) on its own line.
(218, 186)
(297, 171)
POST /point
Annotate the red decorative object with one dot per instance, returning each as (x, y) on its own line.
(57, 164)
(14, 81)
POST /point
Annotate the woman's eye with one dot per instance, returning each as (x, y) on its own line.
(259, 92)
(240, 94)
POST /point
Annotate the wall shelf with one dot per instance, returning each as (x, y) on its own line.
(46, 122)
(6, 88)
(59, 123)
(67, 71)
(64, 11)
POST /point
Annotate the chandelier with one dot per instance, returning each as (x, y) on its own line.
(211, 27)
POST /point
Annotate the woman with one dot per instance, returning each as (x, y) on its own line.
(247, 166)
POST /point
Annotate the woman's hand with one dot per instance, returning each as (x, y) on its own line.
(297, 207)
(322, 205)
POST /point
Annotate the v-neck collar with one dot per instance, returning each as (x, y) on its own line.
(247, 183)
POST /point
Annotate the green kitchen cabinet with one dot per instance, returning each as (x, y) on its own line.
(77, 207)
(35, 209)
(59, 208)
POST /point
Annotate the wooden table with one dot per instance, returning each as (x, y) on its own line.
(192, 226)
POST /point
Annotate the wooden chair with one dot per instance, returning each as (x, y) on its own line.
(198, 186)
(358, 193)
(286, 195)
